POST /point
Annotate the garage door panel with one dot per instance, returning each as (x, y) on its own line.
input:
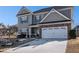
(54, 32)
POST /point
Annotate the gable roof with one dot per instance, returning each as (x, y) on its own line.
(54, 10)
(23, 10)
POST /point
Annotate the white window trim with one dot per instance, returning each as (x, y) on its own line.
(53, 10)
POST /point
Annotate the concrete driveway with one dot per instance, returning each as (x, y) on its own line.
(41, 46)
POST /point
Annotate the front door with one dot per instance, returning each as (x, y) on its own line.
(35, 32)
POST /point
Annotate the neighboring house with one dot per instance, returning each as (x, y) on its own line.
(77, 31)
(51, 22)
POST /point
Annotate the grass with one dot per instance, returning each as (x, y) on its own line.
(73, 46)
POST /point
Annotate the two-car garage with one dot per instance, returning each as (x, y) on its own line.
(55, 32)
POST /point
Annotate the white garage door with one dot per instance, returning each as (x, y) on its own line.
(54, 32)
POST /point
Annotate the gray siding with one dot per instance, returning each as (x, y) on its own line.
(67, 13)
(54, 17)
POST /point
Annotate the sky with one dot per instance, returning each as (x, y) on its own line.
(8, 14)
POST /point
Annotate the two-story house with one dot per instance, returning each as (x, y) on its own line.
(50, 22)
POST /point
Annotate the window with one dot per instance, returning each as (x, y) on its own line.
(37, 17)
(23, 19)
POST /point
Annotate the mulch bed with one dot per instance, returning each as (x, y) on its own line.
(73, 46)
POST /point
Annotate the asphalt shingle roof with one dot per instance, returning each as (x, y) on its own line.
(67, 13)
(49, 8)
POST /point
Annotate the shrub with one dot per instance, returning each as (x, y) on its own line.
(72, 34)
(21, 36)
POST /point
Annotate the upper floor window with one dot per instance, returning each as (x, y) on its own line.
(23, 19)
(37, 17)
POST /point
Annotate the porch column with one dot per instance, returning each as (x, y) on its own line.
(29, 32)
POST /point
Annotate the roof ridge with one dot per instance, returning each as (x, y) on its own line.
(49, 8)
